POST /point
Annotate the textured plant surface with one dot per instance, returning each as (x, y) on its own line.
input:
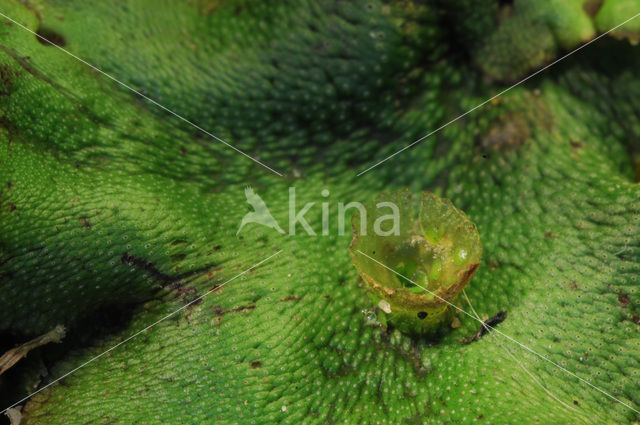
(113, 213)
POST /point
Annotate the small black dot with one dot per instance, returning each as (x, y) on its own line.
(422, 314)
(575, 402)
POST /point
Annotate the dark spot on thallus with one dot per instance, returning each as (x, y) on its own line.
(422, 314)
(49, 37)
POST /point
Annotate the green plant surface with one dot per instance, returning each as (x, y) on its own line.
(108, 201)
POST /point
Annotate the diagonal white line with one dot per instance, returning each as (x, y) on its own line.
(498, 95)
(141, 331)
(515, 359)
(506, 336)
(192, 124)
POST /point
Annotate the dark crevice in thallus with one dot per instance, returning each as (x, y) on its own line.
(487, 326)
(88, 330)
(171, 282)
(460, 45)
(183, 288)
(36, 370)
(147, 266)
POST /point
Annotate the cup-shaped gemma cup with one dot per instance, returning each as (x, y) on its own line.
(415, 259)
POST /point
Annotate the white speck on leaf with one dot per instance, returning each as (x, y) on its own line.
(384, 306)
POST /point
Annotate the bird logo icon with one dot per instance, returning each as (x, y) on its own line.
(260, 213)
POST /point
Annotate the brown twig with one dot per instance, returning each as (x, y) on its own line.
(14, 355)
